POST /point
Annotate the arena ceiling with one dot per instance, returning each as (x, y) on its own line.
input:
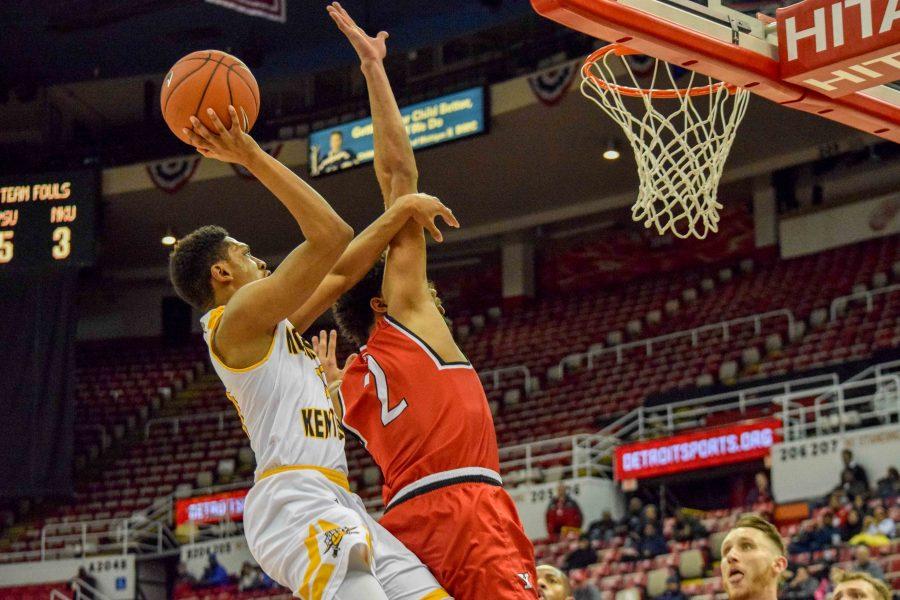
(62, 41)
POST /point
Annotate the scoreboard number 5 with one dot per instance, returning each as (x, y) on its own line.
(63, 247)
(6, 246)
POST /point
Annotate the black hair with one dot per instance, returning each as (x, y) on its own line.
(190, 262)
(353, 311)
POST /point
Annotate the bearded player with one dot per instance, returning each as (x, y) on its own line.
(303, 525)
(414, 399)
(753, 559)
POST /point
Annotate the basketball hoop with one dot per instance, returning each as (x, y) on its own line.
(681, 150)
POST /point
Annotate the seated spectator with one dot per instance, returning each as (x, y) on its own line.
(651, 515)
(760, 492)
(602, 529)
(553, 584)
(631, 521)
(652, 544)
(251, 578)
(801, 587)
(838, 505)
(214, 574)
(852, 487)
(861, 586)
(673, 589)
(563, 511)
(882, 523)
(582, 588)
(581, 557)
(825, 534)
(872, 534)
(865, 564)
(804, 540)
(859, 473)
(687, 528)
(852, 527)
(889, 485)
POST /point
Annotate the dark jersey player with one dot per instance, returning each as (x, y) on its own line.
(414, 399)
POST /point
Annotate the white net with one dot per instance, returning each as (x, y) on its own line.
(680, 146)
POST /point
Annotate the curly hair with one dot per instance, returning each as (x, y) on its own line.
(190, 261)
(352, 311)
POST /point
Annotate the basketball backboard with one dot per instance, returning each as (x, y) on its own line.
(835, 57)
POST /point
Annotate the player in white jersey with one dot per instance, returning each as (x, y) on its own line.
(302, 523)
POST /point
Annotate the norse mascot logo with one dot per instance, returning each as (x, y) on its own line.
(334, 537)
(323, 545)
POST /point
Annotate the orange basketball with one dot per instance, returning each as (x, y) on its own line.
(208, 79)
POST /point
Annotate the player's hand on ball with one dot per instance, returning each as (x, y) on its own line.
(425, 210)
(325, 346)
(368, 48)
(228, 145)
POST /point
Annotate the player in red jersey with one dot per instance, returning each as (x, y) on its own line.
(414, 399)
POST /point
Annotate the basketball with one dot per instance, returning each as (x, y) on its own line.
(208, 79)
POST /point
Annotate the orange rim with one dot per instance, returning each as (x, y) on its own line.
(635, 92)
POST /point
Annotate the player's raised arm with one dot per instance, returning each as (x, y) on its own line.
(256, 308)
(395, 165)
(405, 287)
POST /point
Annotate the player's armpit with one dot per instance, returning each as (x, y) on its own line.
(427, 323)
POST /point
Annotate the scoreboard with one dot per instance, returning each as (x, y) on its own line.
(47, 220)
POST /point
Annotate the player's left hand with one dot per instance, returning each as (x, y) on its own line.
(368, 48)
(325, 346)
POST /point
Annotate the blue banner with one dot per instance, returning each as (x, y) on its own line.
(428, 123)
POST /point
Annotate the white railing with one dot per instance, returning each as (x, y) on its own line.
(694, 334)
(859, 403)
(222, 416)
(868, 295)
(578, 453)
(224, 527)
(493, 375)
(885, 368)
(58, 595)
(92, 592)
(591, 453)
(102, 536)
(870, 372)
(685, 414)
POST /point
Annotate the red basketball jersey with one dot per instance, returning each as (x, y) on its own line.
(416, 414)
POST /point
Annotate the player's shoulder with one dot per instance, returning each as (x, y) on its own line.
(403, 335)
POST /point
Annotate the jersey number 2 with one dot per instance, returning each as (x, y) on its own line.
(381, 389)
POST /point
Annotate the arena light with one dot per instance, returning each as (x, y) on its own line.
(612, 151)
(169, 239)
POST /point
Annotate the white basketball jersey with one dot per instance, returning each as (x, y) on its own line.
(283, 403)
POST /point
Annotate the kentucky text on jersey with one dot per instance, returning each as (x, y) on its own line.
(322, 424)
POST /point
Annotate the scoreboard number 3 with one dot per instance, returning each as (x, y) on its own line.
(60, 251)
(63, 247)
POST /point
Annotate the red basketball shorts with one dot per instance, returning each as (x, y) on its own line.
(470, 537)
